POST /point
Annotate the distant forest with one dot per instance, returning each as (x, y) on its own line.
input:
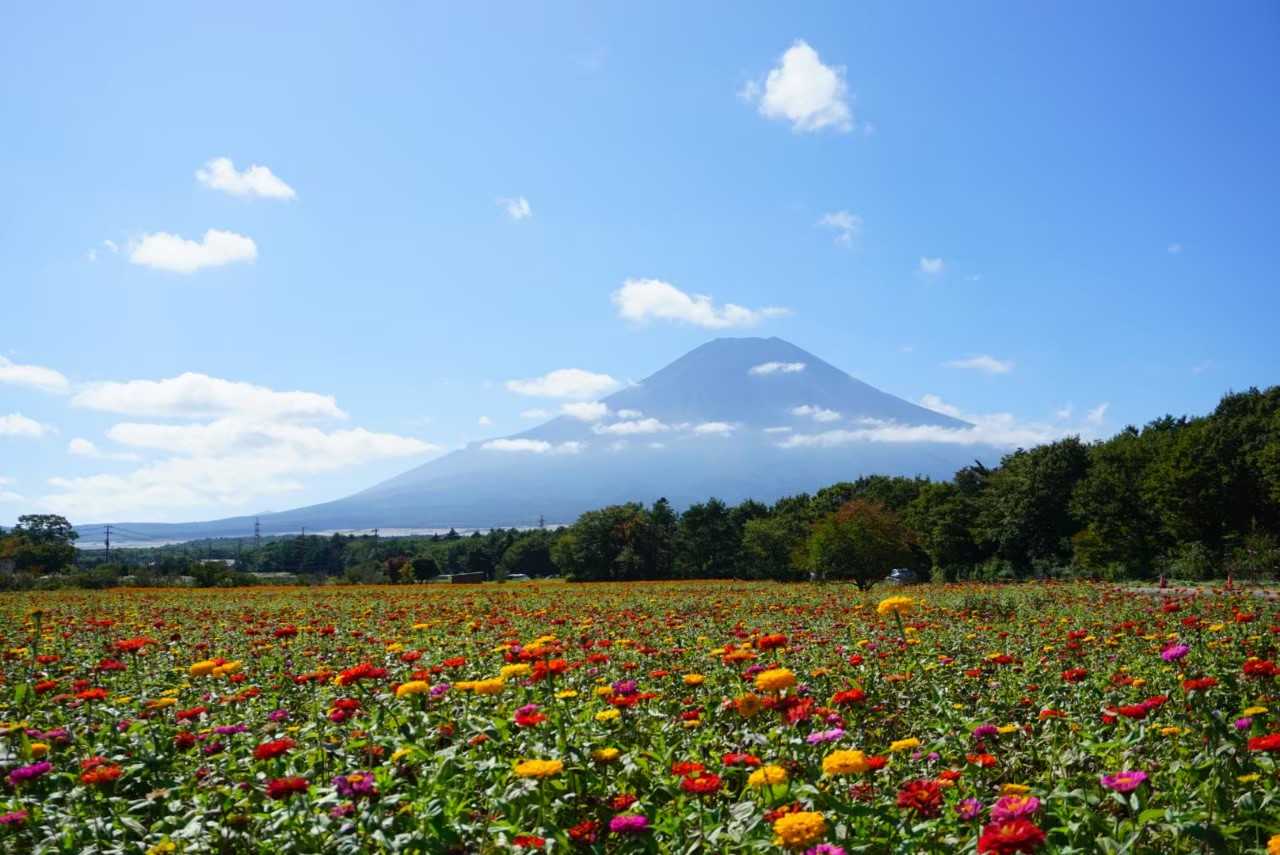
(1188, 498)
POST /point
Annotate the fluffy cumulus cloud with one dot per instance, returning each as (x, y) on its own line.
(176, 254)
(642, 300)
(818, 414)
(193, 395)
(713, 429)
(564, 383)
(635, 426)
(16, 424)
(81, 447)
(847, 226)
(587, 411)
(532, 446)
(221, 174)
(32, 376)
(1002, 430)
(1098, 414)
(764, 369)
(223, 446)
(932, 266)
(984, 363)
(802, 90)
(517, 208)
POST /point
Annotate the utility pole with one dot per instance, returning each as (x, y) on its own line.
(542, 521)
(108, 544)
(375, 534)
(257, 534)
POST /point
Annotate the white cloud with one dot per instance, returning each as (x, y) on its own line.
(484, 421)
(713, 429)
(176, 254)
(227, 463)
(564, 383)
(535, 413)
(1064, 412)
(642, 300)
(1175, 248)
(1202, 367)
(818, 414)
(82, 447)
(532, 446)
(931, 266)
(803, 91)
(33, 376)
(983, 362)
(517, 208)
(777, 430)
(9, 495)
(1097, 414)
(192, 395)
(587, 411)
(766, 368)
(848, 227)
(657, 445)
(649, 425)
(220, 174)
(111, 245)
(16, 424)
(998, 429)
(629, 414)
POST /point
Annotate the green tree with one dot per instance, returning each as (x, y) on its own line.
(861, 542)
(42, 543)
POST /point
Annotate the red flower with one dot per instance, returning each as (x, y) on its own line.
(923, 797)
(1199, 684)
(1270, 742)
(184, 739)
(274, 748)
(45, 686)
(1074, 675)
(529, 841)
(740, 760)
(1135, 711)
(848, 697)
(92, 695)
(98, 771)
(685, 767)
(701, 784)
(288, 631)
(193, 713)
(585, 832)
(986, 761)
(621, 802)
(133, 645)
(770, 642)
(876, 763)
(364, 670)
(1007, 838)
(1260, 668)
(110, 665)
(281, 789)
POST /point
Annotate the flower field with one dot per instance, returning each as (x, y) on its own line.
(648, 717)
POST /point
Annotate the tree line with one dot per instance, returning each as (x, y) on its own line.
(1189, 498)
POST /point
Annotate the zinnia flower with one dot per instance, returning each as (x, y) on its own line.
(274, 748)
(22, 774)
(538, 768)
(413, 687)
(281, 789)
(923, 797)
(1009, 808)
(629, 823)
(775, 680)
(799, 829)
(1007, 838)
(845, 763)
(1174, 652)
(899, 605)
(767, 775)
(1124, 782)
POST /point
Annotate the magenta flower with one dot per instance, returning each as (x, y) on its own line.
(820, 736)
(825, 849)
(1009, 808)
(22, 774)
(355, 785)
(1174, 652)
(969, 809)
(629, 823)
(14, 817)
(1124, 782)
(982, 731)
(1243, 723)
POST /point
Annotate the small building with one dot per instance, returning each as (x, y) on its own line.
(463, 578)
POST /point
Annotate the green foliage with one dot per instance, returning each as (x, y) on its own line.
(862, 542)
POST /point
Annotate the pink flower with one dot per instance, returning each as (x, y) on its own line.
(1124, 782)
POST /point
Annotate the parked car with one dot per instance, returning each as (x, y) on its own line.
(904, 576)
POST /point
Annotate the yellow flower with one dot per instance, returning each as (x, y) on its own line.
(1170, 731)
(748, 705)
(400, 753)
(39, 749)
(520, 669)
(799, 830)
(538, 768)
(605, 755)
(1007, 728)
(1248, 779)
(492, 686)
(413, 687)
(566, 693)
(766, 775)
(694, 679)
(602, 691)
(1254, 711)
(1273, 845)
(395, 647)
(421, 626)
(607, 715)
(161, 703)
(903, 745)
(775, 680)
(844, 763)
(202, 668)
(164, 847)
(227, 668)
(899, 604)
(1014, 790)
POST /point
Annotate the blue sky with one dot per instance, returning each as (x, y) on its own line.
(1084, 194)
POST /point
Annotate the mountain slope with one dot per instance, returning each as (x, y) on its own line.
(716, 422)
